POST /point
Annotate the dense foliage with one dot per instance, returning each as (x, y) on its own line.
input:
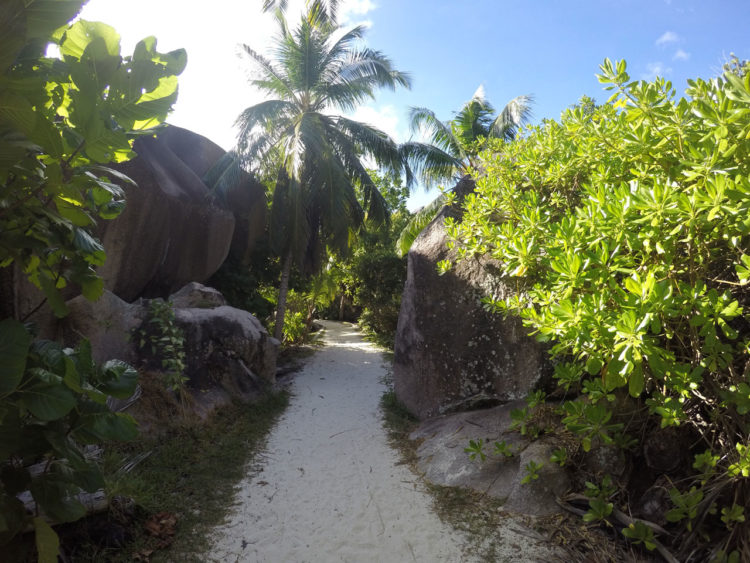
(373, 276)
(53, 402)
(452, 150)
(624, 231)
(62, 118)
(318, 69)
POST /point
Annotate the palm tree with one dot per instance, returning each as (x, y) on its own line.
(329, 8)
(453, 147)
(317, 69)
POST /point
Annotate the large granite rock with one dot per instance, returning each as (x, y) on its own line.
(451, 354)
(443, 461)
(226, 348)
(221, 339)
(173, 231)
(108, 323)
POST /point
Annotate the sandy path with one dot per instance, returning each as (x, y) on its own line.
(328, 487)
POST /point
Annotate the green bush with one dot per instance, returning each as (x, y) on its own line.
(162, 343)
(62, 120)
(53, 402)
(624, 231)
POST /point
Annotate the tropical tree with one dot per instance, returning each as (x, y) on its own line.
(329, 8)
(452, 148)
(317, 70)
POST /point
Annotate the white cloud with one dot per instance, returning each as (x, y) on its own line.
(656, 69)
(384, 118)
(352, 12)
(666, 38)
(681, 55)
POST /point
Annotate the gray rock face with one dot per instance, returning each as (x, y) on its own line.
(107, 323)
(197, 296)
(451, 354)
(225, 339)
(225, 347)
(172, 231)
(442, 459)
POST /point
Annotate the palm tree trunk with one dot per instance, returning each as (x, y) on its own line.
(286, 269)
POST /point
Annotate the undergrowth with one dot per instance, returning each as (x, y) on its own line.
(181, 484)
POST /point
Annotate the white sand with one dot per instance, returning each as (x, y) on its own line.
(329, 488)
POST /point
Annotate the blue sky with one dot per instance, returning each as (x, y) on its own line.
(551, 49)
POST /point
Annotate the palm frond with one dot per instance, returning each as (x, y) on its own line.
(430, 163)
(437, 132)
(371, 141)
(224, 176)
(273, 5)
(515, 114)
(273, 80)
(417, 223)
(473, 121)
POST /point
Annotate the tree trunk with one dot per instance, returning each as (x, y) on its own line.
(286, 269)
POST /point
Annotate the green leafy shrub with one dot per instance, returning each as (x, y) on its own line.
(624, 230)
(53, 402)
(162, 342)
(62, 119)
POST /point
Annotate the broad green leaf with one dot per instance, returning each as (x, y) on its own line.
(12, 31)
(14, 347)
(53, 295)
(636, 382)
(12, 516)
(119, 379)
(51, 355)
(17, 112)
(54, 494)
(100, 424)
(87, 244)
(47, 401)
(92, 286)
(82, 33)
(45, 16)
(47, 542)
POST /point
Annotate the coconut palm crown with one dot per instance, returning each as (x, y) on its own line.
(452, 146)
(317, 70)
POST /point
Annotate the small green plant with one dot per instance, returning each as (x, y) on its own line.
(503, 449)
(599, 509)
(640, 533)
(600, 506)
(559, 456)
(444, 266)
(163, 342)
(476, 449)
(685, 505)
(535, 399)
(591, 422)
(732, 515)
(520, 419)
(742, 466)
(605, 490)
(532, 472)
